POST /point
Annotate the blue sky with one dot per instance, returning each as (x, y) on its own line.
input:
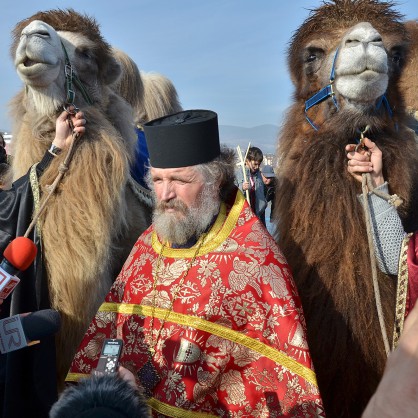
(223, 55)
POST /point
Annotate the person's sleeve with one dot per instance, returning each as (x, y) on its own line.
(239, 178)
(388, 232)
(44, 163)
(11, 200)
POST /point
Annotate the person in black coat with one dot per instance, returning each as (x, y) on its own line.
(269, 179)
(28, 375)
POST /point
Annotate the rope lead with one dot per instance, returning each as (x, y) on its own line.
(63, 168)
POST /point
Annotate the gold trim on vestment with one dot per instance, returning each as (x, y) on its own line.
(215, 329)
(172, 411)
(75, 377)
(34, 183)
(219, 232)
(401, 292)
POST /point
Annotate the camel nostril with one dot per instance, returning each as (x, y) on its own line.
(352, 42)
(40, 32)
(28, 62)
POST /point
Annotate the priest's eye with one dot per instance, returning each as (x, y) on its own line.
(181, 181)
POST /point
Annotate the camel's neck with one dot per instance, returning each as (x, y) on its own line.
(45, 101)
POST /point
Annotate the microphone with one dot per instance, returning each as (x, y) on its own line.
(21, 331)
(18, 256)
(101, 396)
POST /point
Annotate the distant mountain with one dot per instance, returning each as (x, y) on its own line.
(263, 137)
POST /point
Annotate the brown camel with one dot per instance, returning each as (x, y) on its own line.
(409, 77)
(97, 213)
(321, 226)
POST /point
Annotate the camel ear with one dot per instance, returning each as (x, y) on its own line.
(112, 71)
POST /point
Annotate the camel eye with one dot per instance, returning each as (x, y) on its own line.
(396, 58)
(85, 53)
(311, 57)
(313, 54)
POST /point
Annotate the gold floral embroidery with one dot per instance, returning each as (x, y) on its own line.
(273, 275)
(105, 318)
(244, 274)
(94, 346)
(233, 384)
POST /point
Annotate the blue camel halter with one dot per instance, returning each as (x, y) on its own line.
(70, 77)
(328, 91)
(322, 94)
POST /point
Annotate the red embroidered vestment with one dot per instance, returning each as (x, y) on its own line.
(233, 343)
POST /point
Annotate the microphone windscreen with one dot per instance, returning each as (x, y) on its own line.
(20, 253)
(40, 324)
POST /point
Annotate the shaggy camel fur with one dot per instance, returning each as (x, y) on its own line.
(150, 94)
(321, 226)
(409, 77)
(160, 97)
(97, 214)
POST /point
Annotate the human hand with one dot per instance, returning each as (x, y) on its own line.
(397, 393)
(128, 376)
(63, 130)
(245, 185)
(366, 161)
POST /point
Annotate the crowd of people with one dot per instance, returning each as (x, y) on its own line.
(205, 304)
(5, 170)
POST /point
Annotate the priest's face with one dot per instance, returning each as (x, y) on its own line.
(185, 205)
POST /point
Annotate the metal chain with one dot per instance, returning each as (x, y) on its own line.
(154, 341)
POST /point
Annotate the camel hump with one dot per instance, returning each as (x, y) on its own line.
(160, 96)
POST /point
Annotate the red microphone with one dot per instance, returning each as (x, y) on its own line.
(18, 256)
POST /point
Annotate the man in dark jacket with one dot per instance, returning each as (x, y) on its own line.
(27, 376)
(254, 183)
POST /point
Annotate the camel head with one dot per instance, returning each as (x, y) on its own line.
(44, 46)
(345, 61)
(55, 53)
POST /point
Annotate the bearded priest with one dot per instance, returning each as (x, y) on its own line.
(206, 306)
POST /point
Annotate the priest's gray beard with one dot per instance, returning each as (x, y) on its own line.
(186, 223)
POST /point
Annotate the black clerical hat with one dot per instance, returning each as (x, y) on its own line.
(183, 139)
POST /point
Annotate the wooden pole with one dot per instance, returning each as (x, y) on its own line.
(242, 164)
